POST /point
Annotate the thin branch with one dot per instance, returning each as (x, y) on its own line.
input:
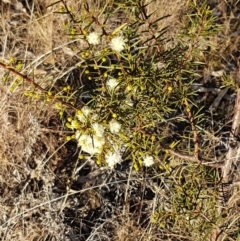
(30, 81)
(195, 159)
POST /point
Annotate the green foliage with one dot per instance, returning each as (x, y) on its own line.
(150, 83)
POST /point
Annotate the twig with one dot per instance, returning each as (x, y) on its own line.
(195, 159)
(30, 81)
(195, 135)
(217, 101)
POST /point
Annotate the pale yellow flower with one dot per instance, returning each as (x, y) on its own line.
(112, 84)
(114, 126)
(83, 114)
(117, 43)
(148, 161)
(112, 158)
(98, 129)
(91, 144)
(93, 38)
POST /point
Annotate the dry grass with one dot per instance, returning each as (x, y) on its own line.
(171, 12)
(28, 143)
(37, 170)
